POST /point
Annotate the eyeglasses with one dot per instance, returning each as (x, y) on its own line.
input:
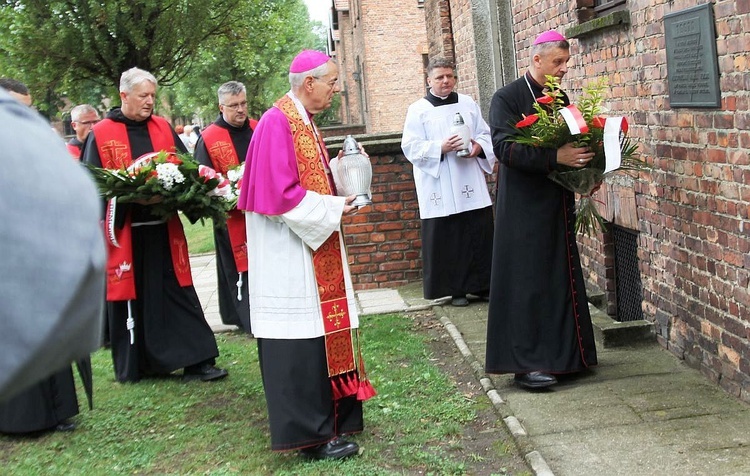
(88, 123)
(236, 106)
(331, 84)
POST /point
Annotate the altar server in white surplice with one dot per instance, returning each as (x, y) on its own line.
(454, 203)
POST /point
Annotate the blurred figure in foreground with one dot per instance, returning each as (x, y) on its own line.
(51, 272)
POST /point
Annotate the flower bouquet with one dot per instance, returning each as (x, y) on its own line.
(168, 183)
(234, 175)
(554, 125)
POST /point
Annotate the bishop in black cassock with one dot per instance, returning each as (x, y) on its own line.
(539, 323)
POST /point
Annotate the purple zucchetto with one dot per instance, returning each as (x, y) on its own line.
(307, 60)
(549, 36)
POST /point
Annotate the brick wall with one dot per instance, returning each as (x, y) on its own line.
(463, 34)
(439, 29)
(691, 209)
(351, 90)
(390, 39)
(383, 240)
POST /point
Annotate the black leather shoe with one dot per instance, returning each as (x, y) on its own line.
(203, 372)
(459, 301)
(65, 425)
(338, 448)
(535, 380)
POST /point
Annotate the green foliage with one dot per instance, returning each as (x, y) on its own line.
(547, 128)
(265, 36)
(179, 187)
(200, 236)
(165, 426)
(79, 48)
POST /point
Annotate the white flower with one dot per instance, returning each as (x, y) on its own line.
(234, 174)
(223, 190)
(168, 175)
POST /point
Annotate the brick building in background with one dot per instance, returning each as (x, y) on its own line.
(381, 48)
(677, 254)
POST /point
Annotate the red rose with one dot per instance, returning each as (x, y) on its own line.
(527, 121)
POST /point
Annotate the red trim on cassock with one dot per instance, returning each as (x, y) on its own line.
(113, 144)
(224, 157)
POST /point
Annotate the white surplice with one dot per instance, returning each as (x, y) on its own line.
(284, 300)
(454, 184)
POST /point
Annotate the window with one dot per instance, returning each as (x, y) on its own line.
(607, 13)
(605, 6)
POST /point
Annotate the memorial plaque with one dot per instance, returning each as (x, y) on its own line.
(692, 64)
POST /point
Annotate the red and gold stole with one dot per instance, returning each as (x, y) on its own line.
(223, 158)
(328, 264)
(114, 150)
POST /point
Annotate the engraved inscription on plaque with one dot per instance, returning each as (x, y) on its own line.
(692, 64)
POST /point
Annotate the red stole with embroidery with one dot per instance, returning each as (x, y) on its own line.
(115, 152)
(223, 158)
(328, 264)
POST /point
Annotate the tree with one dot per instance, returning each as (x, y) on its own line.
(257, 53)
(62, 45)
(98, 40)
(79, 48)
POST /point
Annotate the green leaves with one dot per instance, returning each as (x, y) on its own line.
(547, 128)
(178, 187)
(79, 48)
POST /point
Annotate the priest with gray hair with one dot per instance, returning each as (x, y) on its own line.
(156, 322)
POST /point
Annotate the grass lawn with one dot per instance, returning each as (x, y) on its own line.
(421, 422)
(200, 236)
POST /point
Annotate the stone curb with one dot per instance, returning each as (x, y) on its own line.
(525, 447)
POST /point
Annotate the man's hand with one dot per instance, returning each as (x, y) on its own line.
(476, 149)
(452, 144)
(573, 156)
(350, 209)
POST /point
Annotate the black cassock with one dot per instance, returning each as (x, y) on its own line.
(301, 408)
(233, 311)
(538, 312)
(171, 331)
(42, 406)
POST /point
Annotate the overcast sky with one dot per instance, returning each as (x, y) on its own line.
(319, 10)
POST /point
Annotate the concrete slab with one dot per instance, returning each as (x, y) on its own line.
(641, 411)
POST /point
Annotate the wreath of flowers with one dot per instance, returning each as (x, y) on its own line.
(554, 124)
(168, 183)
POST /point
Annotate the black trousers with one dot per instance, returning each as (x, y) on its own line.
(301, 408)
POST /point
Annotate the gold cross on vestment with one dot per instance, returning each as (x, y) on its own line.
(336, 315)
